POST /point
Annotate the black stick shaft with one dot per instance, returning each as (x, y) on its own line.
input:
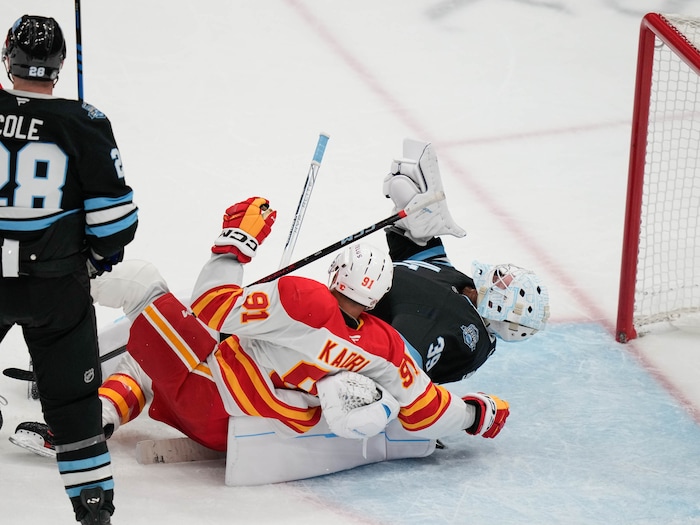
(79, 49)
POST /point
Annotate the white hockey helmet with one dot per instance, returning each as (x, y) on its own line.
(512, 300)
(362, 273)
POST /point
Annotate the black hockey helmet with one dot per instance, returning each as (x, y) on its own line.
(34, 48)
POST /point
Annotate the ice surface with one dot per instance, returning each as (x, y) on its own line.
(529, 107)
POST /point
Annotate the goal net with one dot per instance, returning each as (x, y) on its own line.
(660, 273)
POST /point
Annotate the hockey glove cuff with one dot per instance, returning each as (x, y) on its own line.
(97, 264)
(490, 413)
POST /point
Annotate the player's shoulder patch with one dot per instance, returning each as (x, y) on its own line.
(93, 112)
(470, 336)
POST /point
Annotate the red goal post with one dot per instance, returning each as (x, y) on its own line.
(660, 271)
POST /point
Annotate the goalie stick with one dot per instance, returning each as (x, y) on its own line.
(174, 450)
(304, 200)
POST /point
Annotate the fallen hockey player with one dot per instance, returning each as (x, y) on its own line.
(130, 387)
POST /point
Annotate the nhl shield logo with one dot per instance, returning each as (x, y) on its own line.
(89, 375)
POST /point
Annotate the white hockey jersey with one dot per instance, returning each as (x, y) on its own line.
(290, 333)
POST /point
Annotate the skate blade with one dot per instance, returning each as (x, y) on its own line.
(32, 443)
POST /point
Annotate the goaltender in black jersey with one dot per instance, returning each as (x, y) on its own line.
(450, 320)
(429, 306)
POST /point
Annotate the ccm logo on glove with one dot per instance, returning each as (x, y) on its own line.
(245, 226)
(237, 236)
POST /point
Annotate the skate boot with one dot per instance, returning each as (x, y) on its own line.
(93, 507)
(36, 437)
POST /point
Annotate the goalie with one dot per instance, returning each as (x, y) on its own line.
(452, 320)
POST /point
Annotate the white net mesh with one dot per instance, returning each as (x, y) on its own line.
(668, 272)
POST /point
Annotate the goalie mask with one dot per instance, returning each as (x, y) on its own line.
(512, 300)
(34, 49)
(362, 273)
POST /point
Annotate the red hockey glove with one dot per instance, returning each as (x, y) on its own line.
(490, 414)
(245, 226)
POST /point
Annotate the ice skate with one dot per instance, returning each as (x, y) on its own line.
(36, 437)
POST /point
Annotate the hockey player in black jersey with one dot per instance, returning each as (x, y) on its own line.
(66, 214)
(451, 320)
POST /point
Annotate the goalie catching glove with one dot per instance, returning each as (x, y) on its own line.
(354, 406)
(490, 414)
(245, 226)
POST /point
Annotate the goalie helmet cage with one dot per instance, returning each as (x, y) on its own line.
(660, 271)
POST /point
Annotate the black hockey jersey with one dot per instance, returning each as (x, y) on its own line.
(62, 187)
(426, 307)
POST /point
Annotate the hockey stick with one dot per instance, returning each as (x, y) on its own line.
(79, 49)
(436, 197)
(174, 450)
(304, 200)
(28, 375)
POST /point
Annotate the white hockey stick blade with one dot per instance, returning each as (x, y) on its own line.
(174, 450)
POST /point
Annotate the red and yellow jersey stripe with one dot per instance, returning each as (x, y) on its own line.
(253, 392)
(125, 393)
(426, 409)
(215, 305)
(176, 340)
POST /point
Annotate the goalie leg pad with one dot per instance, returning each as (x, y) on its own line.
(131, 285)
(258, 455)
(401, 189)
(419, 174)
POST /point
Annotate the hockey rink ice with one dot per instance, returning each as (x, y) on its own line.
(529, 106)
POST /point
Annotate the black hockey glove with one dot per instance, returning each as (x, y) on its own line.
(97, 265)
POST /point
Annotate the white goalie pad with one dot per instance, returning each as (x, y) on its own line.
(410, 181)
(131, 285)
(258, 455)
(112, 341)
